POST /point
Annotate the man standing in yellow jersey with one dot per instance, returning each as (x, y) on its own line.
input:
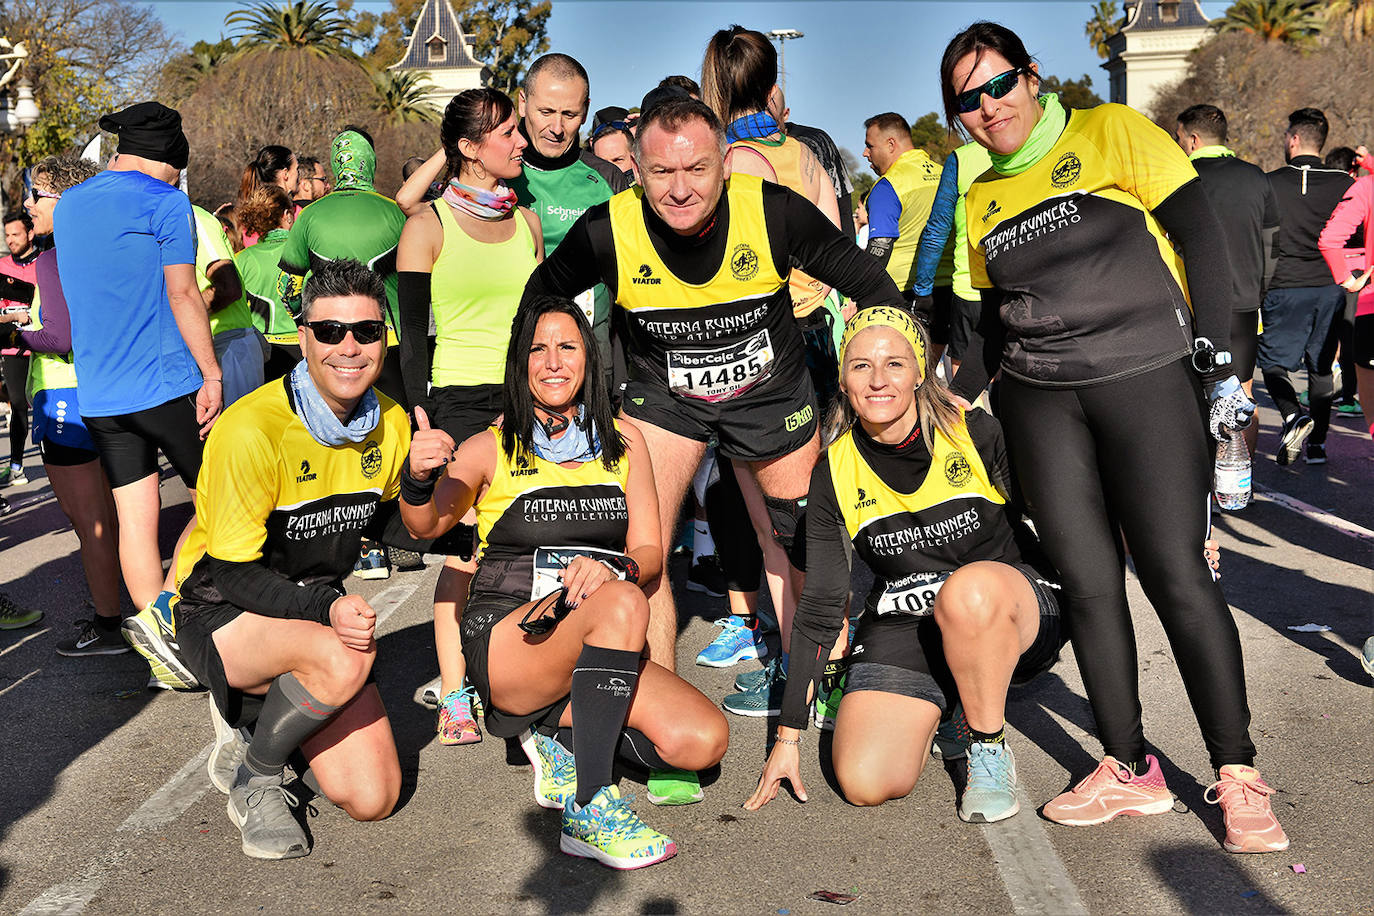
(899, 204)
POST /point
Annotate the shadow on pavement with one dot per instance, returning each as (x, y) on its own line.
(1029, 708)
(1199, 876)
(405, 661)
(564, 883)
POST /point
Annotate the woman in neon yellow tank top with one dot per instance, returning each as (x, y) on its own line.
(464, 260)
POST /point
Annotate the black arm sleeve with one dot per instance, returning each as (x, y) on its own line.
(386, 526)
(820, 610)
(413, 293)
(802, 236)
(881, 249)
(255, 588)
(1192, 224)
(575, 266)
(983, 355)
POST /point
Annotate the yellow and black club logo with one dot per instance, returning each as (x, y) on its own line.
(744, 263)
(1065, 171)
(957, 470)
(372, 459)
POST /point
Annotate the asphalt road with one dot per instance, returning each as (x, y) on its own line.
(105, 806)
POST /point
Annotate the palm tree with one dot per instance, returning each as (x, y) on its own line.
(1105, 22)
(1294, 22)
(400, 97)
(1352, 19)
(305, 25)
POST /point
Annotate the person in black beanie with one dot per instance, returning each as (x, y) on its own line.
(141, 341)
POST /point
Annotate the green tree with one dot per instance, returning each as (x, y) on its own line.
(1105, 22)
(314, 27)
(1295, 22)
(186, 71)
(401, 97)
(928, 132)
(1073, 93)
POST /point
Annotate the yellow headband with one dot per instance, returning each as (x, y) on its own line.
(886, 316)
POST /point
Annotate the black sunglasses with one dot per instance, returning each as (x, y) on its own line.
(997, 87)
(333, 332)
(542, 625)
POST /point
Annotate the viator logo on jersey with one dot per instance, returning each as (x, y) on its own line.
(522, 466)
(865, 500)
(646, 277)
(993, 210)
(305, 476)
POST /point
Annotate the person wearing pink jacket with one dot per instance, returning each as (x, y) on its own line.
(1355, 211)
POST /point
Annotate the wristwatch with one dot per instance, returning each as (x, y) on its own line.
(623, 565)
(1207, 358)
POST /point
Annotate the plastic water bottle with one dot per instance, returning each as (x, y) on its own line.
(1232, 475)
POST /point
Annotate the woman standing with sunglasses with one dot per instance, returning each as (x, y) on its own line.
(463, 262)
(554, 628)
(1086, 311)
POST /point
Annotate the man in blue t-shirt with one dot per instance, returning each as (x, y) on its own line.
(126, 250)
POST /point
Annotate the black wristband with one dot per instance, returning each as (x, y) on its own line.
(416, 492)
(624, 563)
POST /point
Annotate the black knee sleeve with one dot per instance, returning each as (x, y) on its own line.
(788, 518)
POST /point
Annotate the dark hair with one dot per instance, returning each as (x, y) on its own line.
(672, 114)
(738, 72)
(344, 277)
(517, 429)
(889, 122)
(471, 115)
(610, 132)
(307, 162)
(977, 39)
(685, 83)
(1310, 126)
(19, 216)
(409, 166)
(361, 131)
(1207, 121)
(558, 65)
(270, 162)
(1341, 157)
(262, 212)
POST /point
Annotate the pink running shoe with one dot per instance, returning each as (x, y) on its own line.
(1244, 800)
(1109, 790)
(456, 722)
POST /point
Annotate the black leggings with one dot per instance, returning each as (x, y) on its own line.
(1132, 456)
(16, 369)
(737, 545)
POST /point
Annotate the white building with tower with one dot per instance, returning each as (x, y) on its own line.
(1152, 48)
(441, 54)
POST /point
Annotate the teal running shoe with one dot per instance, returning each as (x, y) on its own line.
(736, 643)
(555, 770)
(763, 700)
(1367, 656)
(750, 680)
(952, 737)
(990, 793)
(608, 830)
(674, 787)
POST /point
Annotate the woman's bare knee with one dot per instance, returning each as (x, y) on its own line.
(865, 790)
(969, 601)
(619, 612)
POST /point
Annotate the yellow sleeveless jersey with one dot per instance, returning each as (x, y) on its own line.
(1095, 292)
(914, 178)
(47, 371)
(913, 541)
(537, 515)
(715, 340)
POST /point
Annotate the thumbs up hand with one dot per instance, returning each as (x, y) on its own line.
(429, 448)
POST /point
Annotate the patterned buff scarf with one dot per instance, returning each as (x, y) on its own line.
(479, 202)
(756, 126)
(354, 161)
(326, 428)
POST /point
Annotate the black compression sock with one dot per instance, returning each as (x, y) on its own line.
(602, 684)
(635, 749)
(996, 737)
(1137, 767)
(289, 716)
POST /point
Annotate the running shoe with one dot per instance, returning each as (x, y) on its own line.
(763, 700)
(1348, 407)
(427, 694)
(952, 738)
(227, 751)
(1244, 800)
(91, 639)
(749, 680)
(608, 830)
(261, 808)
(1110, 790)
(555, 770)
(1294, 434)
(5, 472)
(1316, 453)
(148, 636)
(17, 478)
(405, 560)
(735, 643)
(372, 564)
(990, 793)
(674, 787)
(14, 617)
(457, 725)
(1367, 656)
(706, 576)
(5, 507)
(827, 705)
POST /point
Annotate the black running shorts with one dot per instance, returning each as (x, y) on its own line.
(484, 611)
(463, 411)
(129, 443)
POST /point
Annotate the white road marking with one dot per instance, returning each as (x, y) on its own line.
(18, 682)
(8, 649)
(1030, 869)
(170, 801)
(1320, 516)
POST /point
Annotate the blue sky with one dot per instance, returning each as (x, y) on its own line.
(858, 57)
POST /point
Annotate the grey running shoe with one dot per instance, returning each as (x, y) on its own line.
(261, 808)
(228, 750)
(92, 640)
(14, 617)
(1367, 656)
(1292, 438)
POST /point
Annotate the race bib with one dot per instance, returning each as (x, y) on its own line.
(586, 301)
(720, 374)
(913, 595)
(549, 563)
